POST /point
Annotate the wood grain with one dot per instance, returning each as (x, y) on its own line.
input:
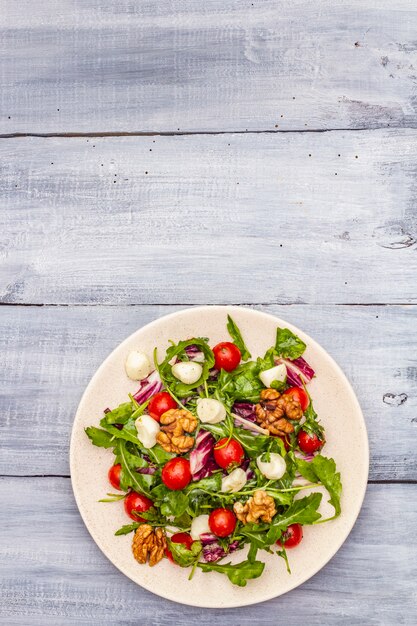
(290, 218)
(99, 65)
(52, 572)
(50, 353)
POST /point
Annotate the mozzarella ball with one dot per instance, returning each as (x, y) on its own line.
(147, 429)
(279, 373)
(199, 526)
(274, 469)
(188, 372)
(210, 411)
(235, 481)
(137, 365)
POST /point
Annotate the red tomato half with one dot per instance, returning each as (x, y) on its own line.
(291, 537)
(309, 443)
(176, 473)
(228, 452)
(136, 502)
(222, 522)
(226, 356)
(114, 475)
(160, 403)
(185, 539)
(297, 393)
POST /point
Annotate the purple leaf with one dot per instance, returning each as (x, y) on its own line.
(214, 552)
(202, 463)
(299, 372)
(245, 410)
(149, 386)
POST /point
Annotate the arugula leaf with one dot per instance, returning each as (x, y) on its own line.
(238, 574)
(100, 437)
(174, 503)
(120, 414)
(303, 511)
(178, 351)
(129, 477)
(235, 334)
(323, 469)
(182, 555)
(267, 361)
(211, 483)
(128, 528)
(119, 434)
(311, 425)
(247, 385)
(288, 345)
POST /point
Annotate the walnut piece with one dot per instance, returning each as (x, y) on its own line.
(274, 410)
(259, 507)
(149, 543)
(174, 423)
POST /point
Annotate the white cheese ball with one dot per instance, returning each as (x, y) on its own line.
(210, 410)
(188, 372)
(147, 429)
(279, 373)
(199, 526)
(235, 481)
(274, 469)
(137, 365)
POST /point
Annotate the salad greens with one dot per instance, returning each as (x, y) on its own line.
(239, 392)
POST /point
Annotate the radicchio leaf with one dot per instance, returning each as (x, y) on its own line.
(299, 372)
(149, 386)
(214, 552)
(202, 463)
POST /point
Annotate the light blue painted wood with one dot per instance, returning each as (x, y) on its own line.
(210, 219)
(51, 572)
(50, 353)
(100, 65)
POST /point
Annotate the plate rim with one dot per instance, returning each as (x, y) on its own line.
(352, 393)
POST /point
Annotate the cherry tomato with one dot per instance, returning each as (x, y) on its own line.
(309, 443)
(160, 403)
(292, 536)
(176, 474)
(137, 502)
(298, 394)
(114, 475)
(222, 522)
(226, 356)
(185, 539)
(228, 452)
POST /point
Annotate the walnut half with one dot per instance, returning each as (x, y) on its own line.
(149, 543)
(259, 507)
(274, 411)
(174, 424)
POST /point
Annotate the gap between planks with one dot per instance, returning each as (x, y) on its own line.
(197, 304)
(169, 133)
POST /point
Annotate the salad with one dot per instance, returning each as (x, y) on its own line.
(212, 454)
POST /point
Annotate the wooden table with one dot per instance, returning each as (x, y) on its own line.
(156, 155)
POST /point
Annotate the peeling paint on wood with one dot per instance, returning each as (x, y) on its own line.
(284, 218)
(94, 65)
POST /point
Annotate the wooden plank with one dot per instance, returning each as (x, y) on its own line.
(98, 65)
(52, 573)
(50, 353)
(229, 218)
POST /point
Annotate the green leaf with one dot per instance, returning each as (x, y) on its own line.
(178, 351)
(119, 434)
(323, 469)
(235, 334)
(247, 385)
(238, 574)
(113, 497)
(288, 345)
(303, 511)
(311, 425)
(182, 555)
(128, 528)
(129, 477)
(100, 438)
(120, 414)
(174, 503)
(211, 483)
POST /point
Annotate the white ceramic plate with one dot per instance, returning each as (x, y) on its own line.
(347, 443)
